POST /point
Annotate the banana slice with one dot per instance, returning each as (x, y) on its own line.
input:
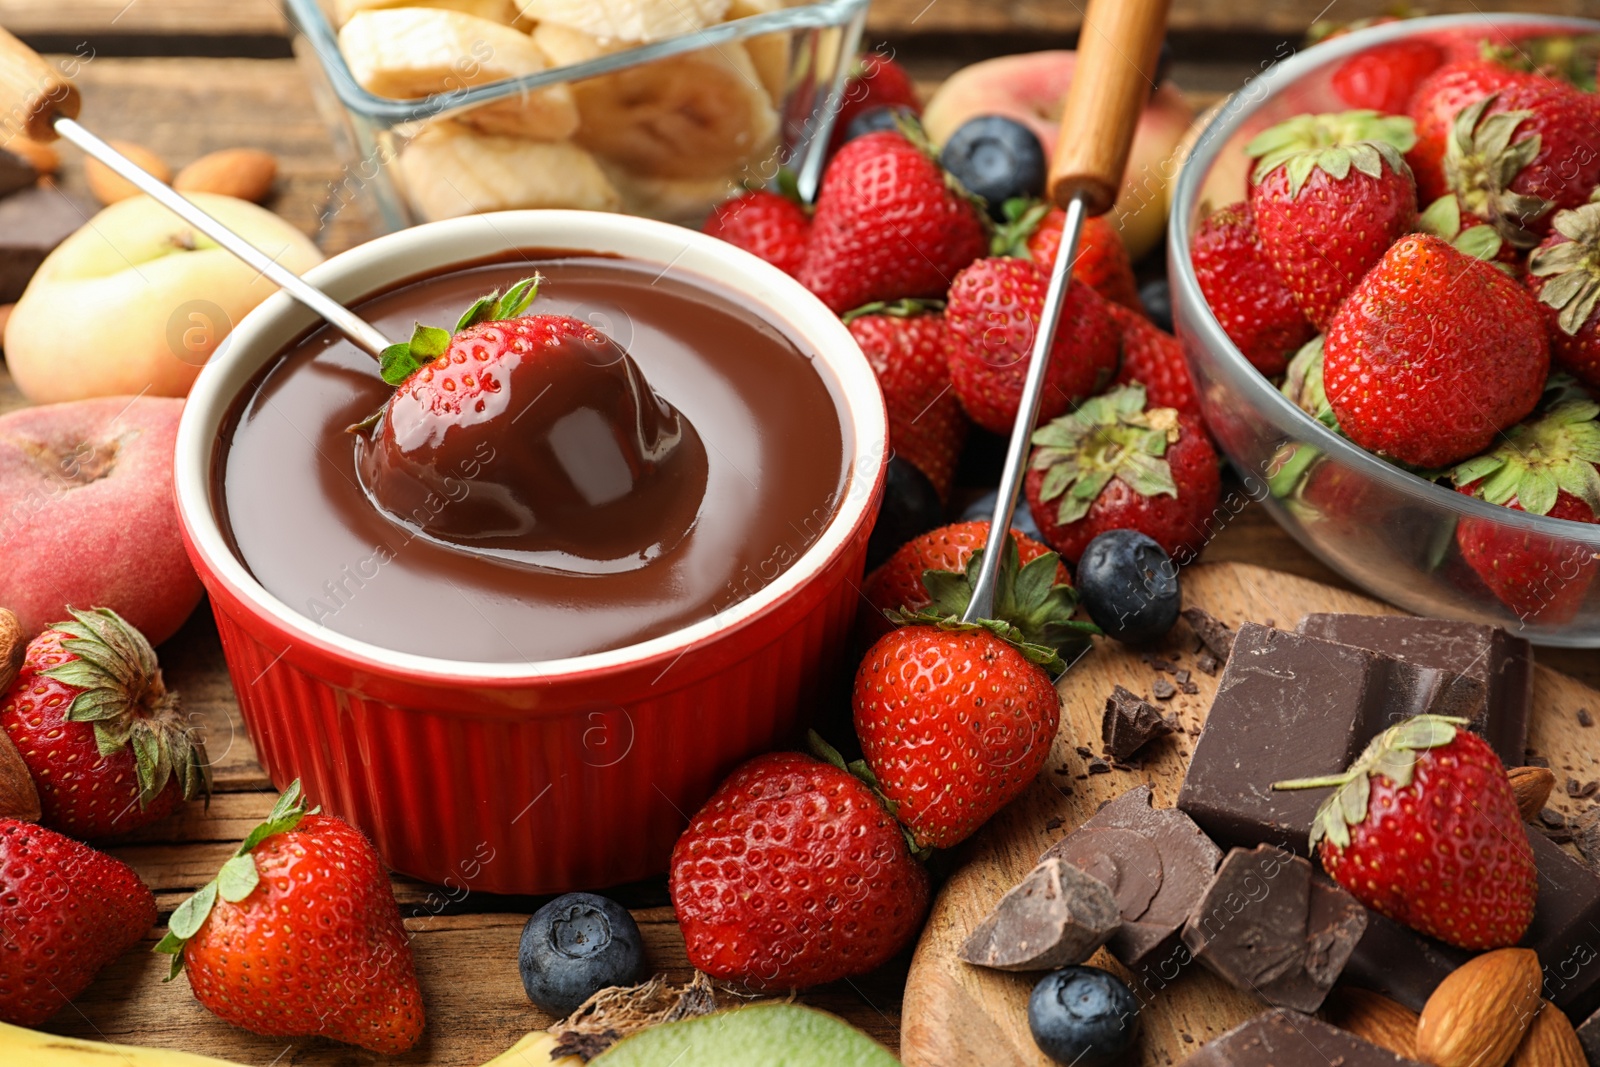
(502, 11)
(450, 170)
(627, 20)
(699, 115)
(768, 52)
(686, 201)
(411, 52)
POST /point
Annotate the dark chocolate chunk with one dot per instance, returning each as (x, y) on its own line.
(1400, 963)
(1055, 917)
(1584, 718)
(1187, 860)
(1282, 1038)
(1552, 818)
(1181, 677)
(1162, 689)
(1055, 822)
(1208, 663)
(32, 222)
(1129, 723)
(1586, 835)
(1264, 926)
(1125, 860)
(1217, 638)
(1501, 662)
(1096, 765)
(1292, 706)
(1589, 1037)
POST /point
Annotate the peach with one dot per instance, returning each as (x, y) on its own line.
(86, 514)
(1030, 87)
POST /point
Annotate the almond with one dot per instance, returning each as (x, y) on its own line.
(42, 157)
(1550, 1042)
(1375, 1017)
(18, 797)
(1532, 786)
(1477, 1016)
(246, 173)
(108, 187)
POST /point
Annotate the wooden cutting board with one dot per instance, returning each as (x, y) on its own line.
(956, 1014)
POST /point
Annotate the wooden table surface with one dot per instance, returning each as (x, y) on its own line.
(188, 76)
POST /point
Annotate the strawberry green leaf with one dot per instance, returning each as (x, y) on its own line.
(1538, 458)
(900, 309)
(238, 878)
(1572, 267)
(1482, 161)
(1022, 218)
(1334, 142)
(518, 297)
(1109, 436)
(396, 364)
(1303, 384)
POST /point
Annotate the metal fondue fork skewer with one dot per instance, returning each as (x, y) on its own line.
(44, 105)
(1117, 50)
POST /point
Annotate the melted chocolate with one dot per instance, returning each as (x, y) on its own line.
(700, 531)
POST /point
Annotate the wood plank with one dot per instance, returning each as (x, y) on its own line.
(954, 1013)
(100, 18)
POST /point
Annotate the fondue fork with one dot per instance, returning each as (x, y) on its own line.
(1111, 81)
(45, 105)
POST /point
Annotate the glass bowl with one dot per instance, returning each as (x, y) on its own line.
(1388, 531)
(795, 57)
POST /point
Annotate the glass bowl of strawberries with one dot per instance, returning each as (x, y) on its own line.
(661, 108)
(1385, 263)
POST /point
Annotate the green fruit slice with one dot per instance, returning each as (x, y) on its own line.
(761, 1035)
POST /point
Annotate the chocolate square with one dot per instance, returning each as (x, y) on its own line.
(1292, 706)
(1283, 1038)
(1501, 662)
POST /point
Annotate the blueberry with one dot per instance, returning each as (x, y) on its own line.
(876, 119)
(1129, 586)
(1156, 296)
(575, 946)
(1022, 519)
(1083, 1016)
(911, 506)
(997, 159)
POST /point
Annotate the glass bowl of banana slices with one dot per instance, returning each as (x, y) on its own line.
(651, 107)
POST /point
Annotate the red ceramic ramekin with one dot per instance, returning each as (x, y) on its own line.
(532, 777)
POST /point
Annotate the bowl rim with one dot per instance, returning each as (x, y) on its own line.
(1222, 127)
(261, 334)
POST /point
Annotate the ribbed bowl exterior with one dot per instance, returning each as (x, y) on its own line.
(544, 787)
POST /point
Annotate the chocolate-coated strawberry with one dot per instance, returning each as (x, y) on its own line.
(1119, 463)
(793, 874)
(1330, 193)
(1245, 292)
(1544, 466)
(1433, 354)
(106, 741)
(908, 344)
(1424, 828)
(993, 311)
(299, 934)
(65, 912)
(767, 224)
(888, 225)
(1564, 273)
(955, 719)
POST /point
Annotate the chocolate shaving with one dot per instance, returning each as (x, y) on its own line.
(1129, 723)
(1162, 689)
(1584, 718)
(1208, 663)
(1098, 766)
(1217, 638)
(1055, 917)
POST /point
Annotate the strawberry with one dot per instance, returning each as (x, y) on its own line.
(993, 311)
(794, 874)
(1102, 262)
(299, 935)
(766, 224)
(65, 912)
(907, 344)
(1385, 77)
(1564, 274)
(897, 585)
(888, 224)
(1253, 305)
(106, 742)
(1545, 466)
(1424, 828)
(1433, 354)
(1116, 463)
(1434, 107)
(1154, 358)
(1329, 194)
(955, 719)
(876, 81)
(1516, 154)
